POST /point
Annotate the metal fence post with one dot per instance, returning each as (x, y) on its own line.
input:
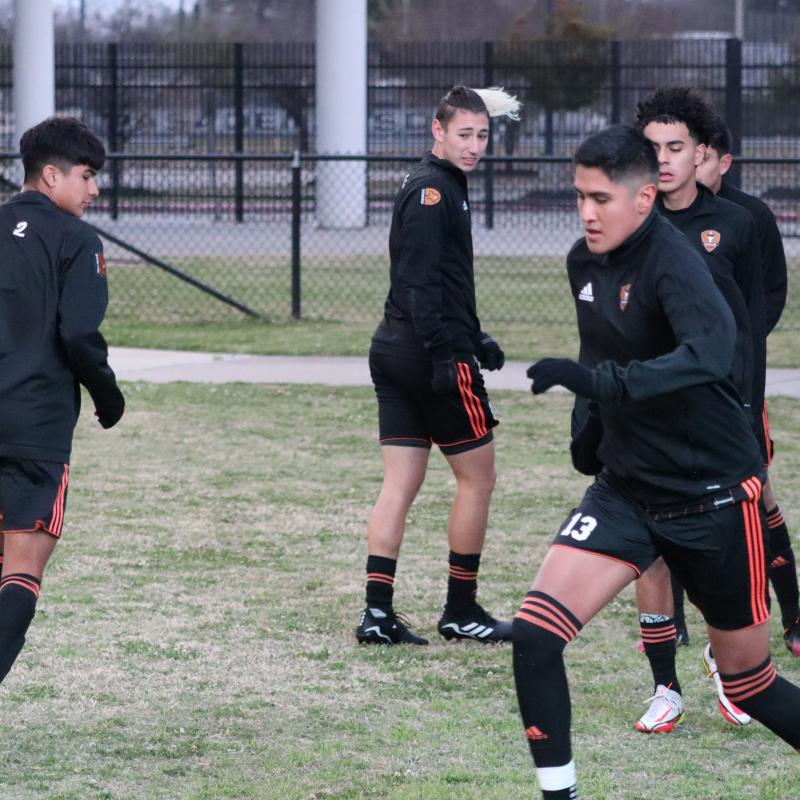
(238, 132)
(488, 80)
(616, 81)
(296, 209)
(733, 100)
(113, 126)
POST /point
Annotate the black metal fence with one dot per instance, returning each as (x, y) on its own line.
(193, 239)
(259, 97)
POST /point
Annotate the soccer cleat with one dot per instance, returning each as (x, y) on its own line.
(664, 713)
(385, 627)
(791, 636)
(731, 712)
(474, 624)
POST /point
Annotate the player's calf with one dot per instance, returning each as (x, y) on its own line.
(18, 595)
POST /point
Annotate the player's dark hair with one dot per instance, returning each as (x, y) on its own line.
(459, 98)
(677, 104)
(621, 152)
(719, 136)
(63, 141)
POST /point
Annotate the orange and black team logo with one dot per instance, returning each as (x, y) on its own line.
(624, 294)
(429, 196)
(710, 240)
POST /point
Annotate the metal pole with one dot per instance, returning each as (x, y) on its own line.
(238, 136)
(296, 211)
(114, 144)
(488, 68)
(739, 19)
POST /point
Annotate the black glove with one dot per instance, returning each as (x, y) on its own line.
(490, 355)
(550, 372)
(445, 376)
(113, 408)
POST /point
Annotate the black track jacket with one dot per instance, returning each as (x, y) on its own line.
(660, 338)
(53, 295)
(773, 258)
(725, 236)
(431, 302)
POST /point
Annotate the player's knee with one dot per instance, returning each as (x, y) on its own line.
(542, 628)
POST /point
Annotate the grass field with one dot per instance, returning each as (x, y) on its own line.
(525, 303)
(194, 637)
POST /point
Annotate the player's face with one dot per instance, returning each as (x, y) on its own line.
(610, 212)
(463, 142)
(712, 168)
(678, 154)
(72, 191)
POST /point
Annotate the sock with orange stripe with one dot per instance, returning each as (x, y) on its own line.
(542, 628)
(782, 570)
(462, 582)
(18, 595)
(765, 696)
(658, 638)
(380, 582)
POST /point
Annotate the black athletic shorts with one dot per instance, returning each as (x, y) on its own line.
(411, 414)
(33, 495)
(717, 555)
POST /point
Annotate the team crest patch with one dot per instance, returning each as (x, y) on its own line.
(100, 261)
(624, 294)
(710, 240)
(429, 196)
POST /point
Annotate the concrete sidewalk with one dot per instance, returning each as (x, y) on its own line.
(167, 366)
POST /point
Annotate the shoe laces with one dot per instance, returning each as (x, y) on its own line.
(665, 696)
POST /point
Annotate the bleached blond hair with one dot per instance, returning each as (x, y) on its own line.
(494, 101)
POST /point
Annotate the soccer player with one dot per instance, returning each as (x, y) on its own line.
(782, 569)
(680, 465)
(677, 121)
(53, 295)
(424, 361)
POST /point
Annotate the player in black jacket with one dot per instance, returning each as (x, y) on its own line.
(712, 171)
(424, 361)
(677, 120)
(53, 295)
(680, 465)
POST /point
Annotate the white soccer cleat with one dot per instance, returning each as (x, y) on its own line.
(664, 713)
(732, 713)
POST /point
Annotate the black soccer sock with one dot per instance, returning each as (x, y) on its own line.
(658, 638)
(679, 614)
(782, 568)
(765, 696)
(18, 595)
(462, 581)
(380, 582)
(541, 630)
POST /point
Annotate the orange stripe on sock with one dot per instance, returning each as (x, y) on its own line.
(745, 688)
(377, 577)
(543, 624)
(535, 605)
(25, 583)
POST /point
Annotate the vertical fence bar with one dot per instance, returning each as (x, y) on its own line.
(113, 125)
(616, 82)
(238, 131)
(488, 80)
(296, 210)
(733, 101)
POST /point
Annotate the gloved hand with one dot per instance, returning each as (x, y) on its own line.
(490, 355)
(550, 372)
(445, 376)
(112, 411)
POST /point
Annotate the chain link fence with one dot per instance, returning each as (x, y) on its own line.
(196, 239)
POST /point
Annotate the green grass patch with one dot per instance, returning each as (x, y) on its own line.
(194, 638)
(524, 302)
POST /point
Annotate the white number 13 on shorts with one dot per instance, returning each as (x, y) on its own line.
(580, 527)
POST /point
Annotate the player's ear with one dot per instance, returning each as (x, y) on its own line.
(725, 163)
(437, 129)
(645, 198)
(50, 174)
(699, 154)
